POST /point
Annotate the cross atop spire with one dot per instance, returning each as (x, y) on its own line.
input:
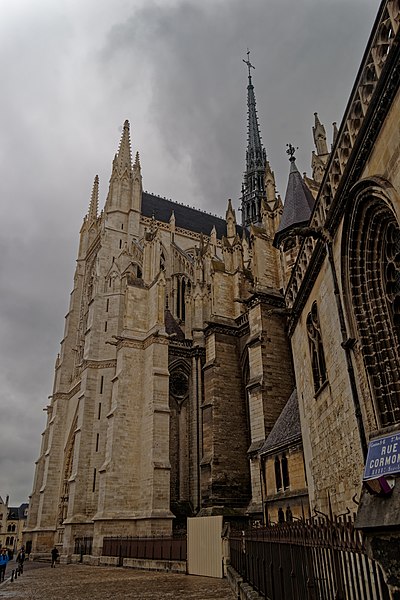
(248, 63)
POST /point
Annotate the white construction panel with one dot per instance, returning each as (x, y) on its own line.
(204, 552)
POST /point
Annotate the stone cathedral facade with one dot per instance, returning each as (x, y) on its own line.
(197, 351)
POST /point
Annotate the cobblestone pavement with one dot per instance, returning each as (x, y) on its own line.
(81, 582)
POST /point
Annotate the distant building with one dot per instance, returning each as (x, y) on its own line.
(12, 523)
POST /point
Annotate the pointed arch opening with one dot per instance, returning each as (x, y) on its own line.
(179, 440)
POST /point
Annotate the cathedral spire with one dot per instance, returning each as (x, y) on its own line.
(94, 201)
(253, 189)
(123, 157)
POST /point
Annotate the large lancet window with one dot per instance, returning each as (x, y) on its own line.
(316, 348)
(373, 267)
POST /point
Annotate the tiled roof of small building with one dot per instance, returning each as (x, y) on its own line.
(286, 430)
(186, 217)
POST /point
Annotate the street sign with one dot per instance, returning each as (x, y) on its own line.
(383, 457)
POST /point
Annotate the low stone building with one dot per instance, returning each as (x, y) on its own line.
(282, 469)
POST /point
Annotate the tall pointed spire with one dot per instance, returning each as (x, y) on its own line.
(94, 201)
(124, 157)
(253, 189)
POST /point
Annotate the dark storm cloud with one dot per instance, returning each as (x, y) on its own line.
(306, 55)
(71, 73)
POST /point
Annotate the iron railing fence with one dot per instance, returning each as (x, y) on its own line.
(317, 559)
(151, 548)
(83, 546)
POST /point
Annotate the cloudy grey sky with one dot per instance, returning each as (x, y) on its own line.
(71, 72)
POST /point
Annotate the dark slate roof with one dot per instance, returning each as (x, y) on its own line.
(185, 216)
(21, 510)
(299, 202)
(286, 430)
(17, 512)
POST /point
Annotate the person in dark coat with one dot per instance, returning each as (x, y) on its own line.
(54, 555)
(21, 559)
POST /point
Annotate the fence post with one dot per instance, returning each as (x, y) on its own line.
(310, 583)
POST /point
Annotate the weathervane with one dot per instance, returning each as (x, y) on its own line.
(248, 63)
(291, 150)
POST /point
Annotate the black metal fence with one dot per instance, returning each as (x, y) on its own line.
(318, 559)
(83, 545)
(157, 548)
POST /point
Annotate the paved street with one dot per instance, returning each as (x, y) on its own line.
(81, 582)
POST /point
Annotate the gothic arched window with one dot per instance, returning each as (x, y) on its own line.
(316, 348)
(373, 268)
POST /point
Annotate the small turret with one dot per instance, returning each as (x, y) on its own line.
(335, 132)
(94, 202)
(321, 156)
(319, 135)
(297, 210)
(270, 189)
(121, 189)
(230, 221)
(137, 185)
(124, 157)
(213, 241)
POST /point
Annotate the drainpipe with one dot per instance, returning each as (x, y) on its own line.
(263, 484)
(347, 343)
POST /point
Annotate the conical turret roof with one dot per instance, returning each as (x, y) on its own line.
(298, 204)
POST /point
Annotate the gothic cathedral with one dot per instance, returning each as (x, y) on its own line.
(210, 367)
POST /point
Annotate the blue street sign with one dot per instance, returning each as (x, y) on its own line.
(383, 457)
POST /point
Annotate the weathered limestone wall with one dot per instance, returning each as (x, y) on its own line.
(270, 382)
(224, 467)
(331, 440)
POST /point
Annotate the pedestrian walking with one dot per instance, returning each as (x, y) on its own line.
(3, 563)
(20, 559)
(54, 555)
